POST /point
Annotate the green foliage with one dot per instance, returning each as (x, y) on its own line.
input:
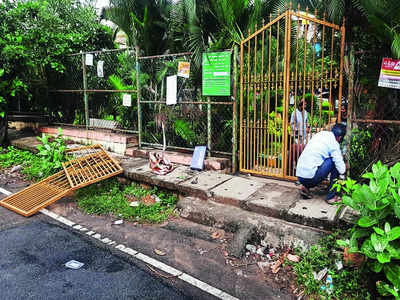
(348, 283)
(375, 234)
(35, 167)
(359, 155)
(52, 152)
(108, 197)
(13, 157)
(185, 131)
(35, 38)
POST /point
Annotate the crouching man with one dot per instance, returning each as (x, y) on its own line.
(322, 156)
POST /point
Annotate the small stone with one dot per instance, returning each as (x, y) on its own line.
(293, 258)
(16, 168)
(122, 180)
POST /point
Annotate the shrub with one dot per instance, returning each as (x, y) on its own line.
(375, 234)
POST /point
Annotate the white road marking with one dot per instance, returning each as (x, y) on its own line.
(5, 192)
(146, 259)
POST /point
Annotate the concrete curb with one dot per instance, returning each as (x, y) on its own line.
(275, 232)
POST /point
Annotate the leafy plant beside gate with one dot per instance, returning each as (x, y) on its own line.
(377, 232)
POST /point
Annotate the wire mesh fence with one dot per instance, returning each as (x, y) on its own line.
(193, 120)
(98, 90)
(376, 129)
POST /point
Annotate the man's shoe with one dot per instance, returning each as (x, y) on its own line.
(305, 193)
(334, 200)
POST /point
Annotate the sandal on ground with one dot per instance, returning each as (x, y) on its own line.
(305, 193)
(334, 200)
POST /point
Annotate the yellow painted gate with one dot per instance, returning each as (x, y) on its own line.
(290, 89)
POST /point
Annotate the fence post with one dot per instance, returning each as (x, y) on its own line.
(139, 109)
(234, 116)
(85, 95)
(209, 126)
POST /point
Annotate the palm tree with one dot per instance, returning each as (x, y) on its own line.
(145, 22)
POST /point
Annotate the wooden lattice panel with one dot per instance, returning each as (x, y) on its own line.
(87, 165)
(90, 168)
(39, 195)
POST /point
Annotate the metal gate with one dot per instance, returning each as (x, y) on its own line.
(294, 57)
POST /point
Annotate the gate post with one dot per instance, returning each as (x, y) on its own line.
(286, 76)
(139, 109)
(234, 112)
(85, 94)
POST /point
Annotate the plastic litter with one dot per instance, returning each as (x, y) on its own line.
(260, 251)
(74, 264)
(251, 248)
(329, 284)
(134, 204)
(321, 274)
(118, 222)
(339, 265)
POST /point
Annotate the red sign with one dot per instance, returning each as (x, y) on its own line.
(390, 73)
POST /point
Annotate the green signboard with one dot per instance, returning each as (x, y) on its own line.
(217, 74)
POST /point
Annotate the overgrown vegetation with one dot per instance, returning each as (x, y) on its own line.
(348, 283)
(37, 166)
(35, 40)
(110, 197)
(376, 234)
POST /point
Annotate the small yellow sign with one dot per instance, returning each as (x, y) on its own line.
(184, 69)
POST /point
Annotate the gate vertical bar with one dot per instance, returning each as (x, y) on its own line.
(349, 102)
(139, 108)
(286, 89)
(241, 107)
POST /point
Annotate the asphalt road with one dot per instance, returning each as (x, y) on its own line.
(32, 265)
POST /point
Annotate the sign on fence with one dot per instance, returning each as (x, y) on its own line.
(100, 72)
(126, 100)
(89, 59)
(184, 69)
(216, 74)
(171, 89)
(390, 73)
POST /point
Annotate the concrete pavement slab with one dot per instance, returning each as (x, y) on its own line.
(272, 200)
(139, 171)
(235, 191)
(313, 212)
(202, 184)
(178, 175)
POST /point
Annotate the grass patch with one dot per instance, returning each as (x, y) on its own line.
(34, 167)
(348, 283)
(109, 197)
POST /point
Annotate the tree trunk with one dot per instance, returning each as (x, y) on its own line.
(3, 129)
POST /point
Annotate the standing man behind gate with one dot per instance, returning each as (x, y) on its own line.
(299, 122)
(322, 156)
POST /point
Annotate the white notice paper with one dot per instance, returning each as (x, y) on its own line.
(171, 89)
(89, 60)
(100, 65)
(126, 100)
